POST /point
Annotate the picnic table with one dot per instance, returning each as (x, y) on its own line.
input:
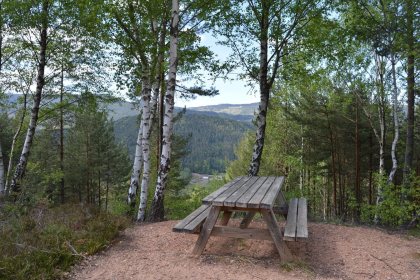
(251, 195)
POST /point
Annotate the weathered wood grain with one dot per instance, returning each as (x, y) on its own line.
(246, 197)
(180, 226)
(249, 233)
(256, 199)
(220, 199)
(270, 197)
(208, 199)
(275, 231)
(231, 200)
(225, 218)
(302, 221)
(290, 229)
(206, 230)
(247, 220)
(196, 222)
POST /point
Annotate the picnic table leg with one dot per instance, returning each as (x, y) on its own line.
(247, 220)
(282, 201)
(225, 218)
(206, 231)
(275, 231)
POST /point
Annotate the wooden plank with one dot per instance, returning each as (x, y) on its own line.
(290, 229)
(275, 231)
(225, 218)
(197, 222)
(180, 226)
(208, 199)
(247, 220)
(280, 210)
(249, 233)
(244, 199)
(231, 200)
(282, 202)
(302, 221)
(206, 231)
(255, 201)
(270, 197)
(220, 199)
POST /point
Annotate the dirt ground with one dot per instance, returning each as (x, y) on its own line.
(153, 251)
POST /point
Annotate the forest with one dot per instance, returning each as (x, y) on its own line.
(338, 114)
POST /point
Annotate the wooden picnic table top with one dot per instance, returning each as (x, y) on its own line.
(247, 192)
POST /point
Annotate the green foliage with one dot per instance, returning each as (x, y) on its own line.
(181, 204)
(390, 212)
(42, 242)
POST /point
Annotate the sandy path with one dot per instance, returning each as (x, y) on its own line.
(153, 251)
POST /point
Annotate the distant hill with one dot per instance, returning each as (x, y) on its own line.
(231, 109)
(213, 139)
(238, 112)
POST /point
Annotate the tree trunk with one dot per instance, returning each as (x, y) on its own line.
(1, 171)
(396, 122)
(340, 209)
(107, 187)
(357, 185)
(15, 137)
(264, 94)
(21, 167)
(157, 210)
(141, 215)
(145, 126)
(62, 138)
(409, 142)
(135, 174)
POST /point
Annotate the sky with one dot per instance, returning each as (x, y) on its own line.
(230, 92)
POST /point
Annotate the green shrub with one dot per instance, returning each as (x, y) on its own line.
(43, 241)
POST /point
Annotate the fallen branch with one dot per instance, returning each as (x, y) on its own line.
(385, 263)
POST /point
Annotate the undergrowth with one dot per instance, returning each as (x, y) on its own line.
(42, 242)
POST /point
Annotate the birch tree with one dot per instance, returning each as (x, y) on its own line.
(259, 32)
(156, 210)
(146, 37)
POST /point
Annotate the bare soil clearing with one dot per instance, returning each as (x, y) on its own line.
(153, 251)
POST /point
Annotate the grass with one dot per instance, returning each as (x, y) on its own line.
(297, 265)
(42, 242)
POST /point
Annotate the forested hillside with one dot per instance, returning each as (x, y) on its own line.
(212, 139)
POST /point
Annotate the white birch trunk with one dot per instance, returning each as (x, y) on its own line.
(15, 137)
(264, 96)
(1, 171)
(145, 127)
(135, 174)
(141, 215)
(21, 167)
(396, 123)
(156, 211)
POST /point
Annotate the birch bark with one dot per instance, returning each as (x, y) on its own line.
(1, 171)
(396, 122)
(264, 93)
(135, 174)
(156, 211)
(15, 137)
(141, 215)
(21, 167)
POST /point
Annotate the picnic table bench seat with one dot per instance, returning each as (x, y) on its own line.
(297, 221)
(193, 221)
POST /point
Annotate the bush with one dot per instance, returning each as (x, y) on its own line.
(43, 241)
